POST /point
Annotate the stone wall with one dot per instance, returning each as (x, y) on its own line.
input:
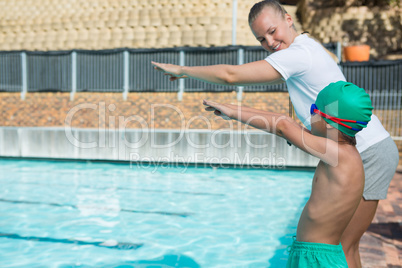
(102, 24)
(378, 27)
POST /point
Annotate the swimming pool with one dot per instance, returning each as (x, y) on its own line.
(91, 214)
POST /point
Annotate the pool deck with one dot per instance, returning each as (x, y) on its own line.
(381, 245)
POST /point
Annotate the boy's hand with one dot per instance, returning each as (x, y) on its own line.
(174, 71)
(218, 109)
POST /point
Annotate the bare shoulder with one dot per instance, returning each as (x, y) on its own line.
(350, 165)
(349, 153)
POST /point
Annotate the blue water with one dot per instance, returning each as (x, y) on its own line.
(77, 214)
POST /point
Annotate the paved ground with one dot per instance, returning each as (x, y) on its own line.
(381, 245)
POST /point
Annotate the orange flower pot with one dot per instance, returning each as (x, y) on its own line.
(357, 53)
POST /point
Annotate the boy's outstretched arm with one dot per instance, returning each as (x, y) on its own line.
(280, 125)
(263, 120)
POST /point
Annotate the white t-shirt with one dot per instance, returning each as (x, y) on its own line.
(307, 68)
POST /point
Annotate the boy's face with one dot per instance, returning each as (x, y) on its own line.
(318, 125)
(272, 30)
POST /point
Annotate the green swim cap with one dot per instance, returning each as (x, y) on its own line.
(345, 101)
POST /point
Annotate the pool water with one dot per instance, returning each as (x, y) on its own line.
(83, 214)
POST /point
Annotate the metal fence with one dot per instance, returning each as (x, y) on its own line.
(119, 70)
(125, 70)
(48, 72)
(11, 72)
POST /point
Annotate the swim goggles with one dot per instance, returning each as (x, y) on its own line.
(314, 110)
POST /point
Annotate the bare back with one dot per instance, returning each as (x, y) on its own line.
(336, 193)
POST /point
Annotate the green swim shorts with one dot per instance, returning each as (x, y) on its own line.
(316, 255)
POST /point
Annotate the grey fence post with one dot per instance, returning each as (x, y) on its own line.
(126, 70)
(234, 21)
(24, 89)
(240, 61)
(339, 54)
(181, 81)
(73, 75)
(339, 51)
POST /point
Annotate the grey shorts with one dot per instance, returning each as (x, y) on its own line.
(380, 162)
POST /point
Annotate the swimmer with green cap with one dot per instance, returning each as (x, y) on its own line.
(344, 106)
(340, 111)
